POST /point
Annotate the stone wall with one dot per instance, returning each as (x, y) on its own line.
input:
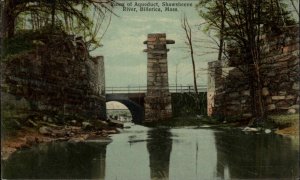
(228, 92)
(158, 98)
(57, 78)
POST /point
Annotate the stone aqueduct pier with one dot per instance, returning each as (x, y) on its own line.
(158, 98)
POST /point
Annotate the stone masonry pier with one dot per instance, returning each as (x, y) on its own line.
(158, 98)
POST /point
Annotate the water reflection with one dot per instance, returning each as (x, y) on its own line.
(159, 146)
(243, 156)
(141, 153)
(58, 161)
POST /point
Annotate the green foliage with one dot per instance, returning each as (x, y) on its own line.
(18, 44)
(284, 120)
(24, 41)
(184, 104)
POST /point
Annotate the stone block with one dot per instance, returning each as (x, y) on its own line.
(271, 107)
(247, 115)
(291, 111)
(296, 86)
(246, 93)
(278, 97)
(265, 91)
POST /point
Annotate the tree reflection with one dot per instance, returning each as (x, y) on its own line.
(159, 146)
(58, 161)
(244, 156)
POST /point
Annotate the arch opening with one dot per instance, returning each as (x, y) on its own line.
(118, 111)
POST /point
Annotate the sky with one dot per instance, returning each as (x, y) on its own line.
(125, 61)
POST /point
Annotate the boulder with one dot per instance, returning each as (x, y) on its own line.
(250, 129)
(271, 107)
(86, 125)
(267, 131)
(99, 124)
(291, 111)
(265, 91)
(45, 130)
(73, 122)
(278, 97)
(296, 86)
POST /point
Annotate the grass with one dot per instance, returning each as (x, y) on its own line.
(284, 120)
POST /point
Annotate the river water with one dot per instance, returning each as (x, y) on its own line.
(141, 153)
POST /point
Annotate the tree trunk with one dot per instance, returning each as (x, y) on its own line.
(53, 15)
(223, 16)
(8, 20)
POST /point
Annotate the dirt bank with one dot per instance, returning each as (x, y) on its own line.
(293, 130)
(29, 136)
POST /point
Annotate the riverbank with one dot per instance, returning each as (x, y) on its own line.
(286, 125)
(43, 132)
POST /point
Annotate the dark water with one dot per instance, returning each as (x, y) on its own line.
(140, 153)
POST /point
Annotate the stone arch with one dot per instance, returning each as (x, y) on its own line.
(136, 110)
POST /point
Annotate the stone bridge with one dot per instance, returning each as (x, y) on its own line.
(134, 98)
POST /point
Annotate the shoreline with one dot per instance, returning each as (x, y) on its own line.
(28, 137)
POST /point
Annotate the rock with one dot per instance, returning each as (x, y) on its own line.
(246, 93)
(267, 131)
(295, 86)
(278, 97)
(296, 106)
(265, 91)
(73, 122)
(49, 119)
(249, 129)
(86, 125)
(45, 130)
(32, 123)
(76, 140)
(288, 97)
(271, 107)
(247, 115)
(282, 93)
(291, 111)
(99, 124)
(199, 116)
(268, 100)
(116, 123)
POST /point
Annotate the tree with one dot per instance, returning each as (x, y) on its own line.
(188, 34)
(214, 7)
(72, 11)
(244, 24)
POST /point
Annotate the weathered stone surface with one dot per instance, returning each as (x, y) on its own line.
(278, 97)
(246, 93)
(86, 125)
(296, 86)
(265, 91)
(45, 130)
(271, 107)
(296, 106)
(158, 99)
(62, 80)
(292, 111)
